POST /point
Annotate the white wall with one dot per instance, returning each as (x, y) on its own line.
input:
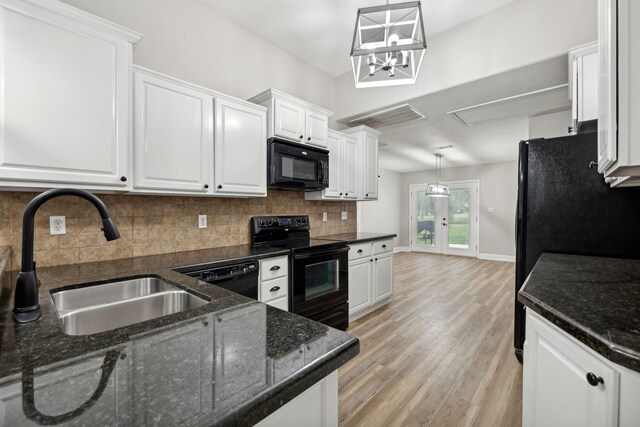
(188, 40)
(383, 215)
(518, 34)
(498, 189)
(550, 125)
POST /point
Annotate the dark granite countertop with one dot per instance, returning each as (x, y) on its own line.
(594, 299)
(232, 361)
(357, 237)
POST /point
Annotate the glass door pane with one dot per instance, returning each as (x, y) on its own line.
(425, 219)
(458, 224)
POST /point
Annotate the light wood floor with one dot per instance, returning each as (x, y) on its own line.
(441, 353)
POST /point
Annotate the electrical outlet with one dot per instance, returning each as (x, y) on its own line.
(57, 225)
(344, 215)
(324, 216)
(202, 221)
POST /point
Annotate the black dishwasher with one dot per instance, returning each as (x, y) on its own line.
(240, 278)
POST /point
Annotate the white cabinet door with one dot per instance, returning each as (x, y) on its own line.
(173, 135)
(64, 99)
(383, 277)
(370, 179)
(289, 120)
(335, 166)
(607, 84)
(360, 281)
(350, 167)
(555, 387)
(316, 129)
(588, 87)
(240, 149)
(166, 364)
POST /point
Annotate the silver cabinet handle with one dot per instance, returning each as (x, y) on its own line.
(274, 289)
(275, 268)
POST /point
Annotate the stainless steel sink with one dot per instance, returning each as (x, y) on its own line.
(92, 309)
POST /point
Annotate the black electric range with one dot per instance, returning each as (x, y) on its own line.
(318, 269)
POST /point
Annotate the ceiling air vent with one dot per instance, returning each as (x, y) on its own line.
(388, 117)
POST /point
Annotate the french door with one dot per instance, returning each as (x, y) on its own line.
(445, 225)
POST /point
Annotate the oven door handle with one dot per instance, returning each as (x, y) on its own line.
(323, 253)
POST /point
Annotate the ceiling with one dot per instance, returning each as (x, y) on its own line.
(409, 146)
(320, 32)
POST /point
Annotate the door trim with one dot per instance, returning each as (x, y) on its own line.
(414, 248)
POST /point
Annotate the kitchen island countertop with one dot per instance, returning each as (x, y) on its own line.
(232, 361)
(594, 299)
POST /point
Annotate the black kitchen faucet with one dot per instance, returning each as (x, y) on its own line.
(26, 308)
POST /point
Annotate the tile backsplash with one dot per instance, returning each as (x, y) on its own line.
(152, 225)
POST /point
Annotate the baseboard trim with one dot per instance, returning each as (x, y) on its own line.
(401, 249)
(497, 257)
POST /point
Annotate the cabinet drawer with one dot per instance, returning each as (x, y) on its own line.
(359, 250)
(273, 268)
(281, 303)
(381, 246)
(273, 289)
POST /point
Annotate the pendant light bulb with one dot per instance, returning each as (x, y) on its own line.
(372, 60)
(372, 70)
(405, 59)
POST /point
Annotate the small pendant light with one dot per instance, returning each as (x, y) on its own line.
(437, 189)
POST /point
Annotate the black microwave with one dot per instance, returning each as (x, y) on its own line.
(297, 166)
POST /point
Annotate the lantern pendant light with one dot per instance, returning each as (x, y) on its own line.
(437, 189)
(388, 45)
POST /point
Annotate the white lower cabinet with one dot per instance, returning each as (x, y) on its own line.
(315, 407)
(370, 276)
(565, 383)
(274, 282)
(173, 135)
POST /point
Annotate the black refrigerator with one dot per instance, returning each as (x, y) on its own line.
(564, 206)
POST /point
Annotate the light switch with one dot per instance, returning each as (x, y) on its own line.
(324, 216)
(202, 221)
(344, 215)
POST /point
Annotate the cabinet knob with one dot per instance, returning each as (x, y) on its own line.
(219, 186)
(371, 260)
(275, 268)
(593, 379)
(206, 186)
(366, 195)
(309, 139)
(341, 194)
(274, 289)
(376, 259)
(384, 246)
(359, 251)
(123, 178)
(346, 194)
(301, 136)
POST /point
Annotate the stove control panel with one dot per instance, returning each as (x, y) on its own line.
(297, 222)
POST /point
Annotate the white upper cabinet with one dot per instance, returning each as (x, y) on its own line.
(619, 91)
(294, 119)
(368, 158)
(350, 167)
(317, 128)
(65, 97)
(288, 120)
(343, 169)
(240, 148)
(334, 140)
(173, 134)
(583, 83)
